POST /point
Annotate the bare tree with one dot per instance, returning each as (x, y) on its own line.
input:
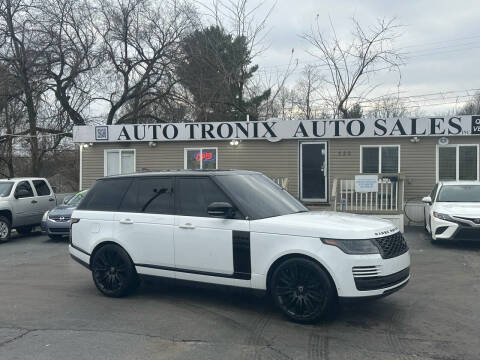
(350, 65)
(306, 88)
(141, 41)
(387, 107)
(71, 56)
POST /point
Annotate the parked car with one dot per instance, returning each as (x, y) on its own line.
(234, 228)
(56, 222)
(452, 211)
(23, 201)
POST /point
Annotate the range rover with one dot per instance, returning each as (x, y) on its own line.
(236, 228)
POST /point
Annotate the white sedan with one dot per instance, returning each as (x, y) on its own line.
(452, 211)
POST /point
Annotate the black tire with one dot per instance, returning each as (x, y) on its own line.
(303, 290)
(113, 272)
(24, 230)
(5, 229)
(55, 237)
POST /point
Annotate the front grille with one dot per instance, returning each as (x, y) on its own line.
(468, 233)
(392, 245)
(381, 282)
(60, 218)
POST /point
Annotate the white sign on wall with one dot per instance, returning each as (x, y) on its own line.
(366, 183)
(277, 129)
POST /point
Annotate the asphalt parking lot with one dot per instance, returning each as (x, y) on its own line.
(50, 309)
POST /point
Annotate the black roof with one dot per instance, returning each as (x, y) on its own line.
(185, 173)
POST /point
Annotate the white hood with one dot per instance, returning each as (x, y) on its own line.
(459, 209)
(326, 224)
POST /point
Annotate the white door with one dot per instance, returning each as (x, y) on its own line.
(208, 245)
(145, 222)
(25, 205)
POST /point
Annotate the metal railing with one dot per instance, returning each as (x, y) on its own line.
(388, 198)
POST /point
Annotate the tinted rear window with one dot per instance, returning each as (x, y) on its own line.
(149, 195)
(105, 195)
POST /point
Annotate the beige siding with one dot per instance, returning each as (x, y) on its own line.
(273, 159)
(417, 160)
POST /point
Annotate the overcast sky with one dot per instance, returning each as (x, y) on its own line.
(441, 39)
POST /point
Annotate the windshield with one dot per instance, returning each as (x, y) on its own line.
(259, 197)
(459, 193)
(75, 200)
(5, 188)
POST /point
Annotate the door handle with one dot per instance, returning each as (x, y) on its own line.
(51, 199)
(187, 226)
(126, 221)
(34, 201)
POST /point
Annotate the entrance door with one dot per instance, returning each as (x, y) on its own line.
(313, 171)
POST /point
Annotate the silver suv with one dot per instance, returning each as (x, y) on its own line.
(23, 201)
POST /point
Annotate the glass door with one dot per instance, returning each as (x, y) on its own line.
(313, 171)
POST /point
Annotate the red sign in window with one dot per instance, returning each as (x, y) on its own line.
(206, 156)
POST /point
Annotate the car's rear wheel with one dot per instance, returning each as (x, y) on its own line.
(113, 271)
(5, 229)
(24, 230)
(303, 290)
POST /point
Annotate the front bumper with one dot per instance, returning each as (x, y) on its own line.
(454, 231)
(55, 228)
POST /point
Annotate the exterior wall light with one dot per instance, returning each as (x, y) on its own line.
(234, 142)
(152, 144)
(415, 139)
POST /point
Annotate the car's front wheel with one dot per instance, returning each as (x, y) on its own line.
(303, 290)
(113, 272)
(5, 229)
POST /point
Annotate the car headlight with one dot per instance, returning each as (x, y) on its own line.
(442, 216)
(45, 216)
(354, 247)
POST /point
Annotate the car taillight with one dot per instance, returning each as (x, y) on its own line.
(72, 221)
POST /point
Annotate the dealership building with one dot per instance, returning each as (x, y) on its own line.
(372, 166)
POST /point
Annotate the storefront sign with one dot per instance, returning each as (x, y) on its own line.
(276, 129)
(366, 183)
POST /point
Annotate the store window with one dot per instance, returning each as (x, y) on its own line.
(119, 162)
(379, 159)
(200, 158)
(457, 162)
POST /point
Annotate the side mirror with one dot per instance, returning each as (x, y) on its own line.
(221, 209)
(21, 193)
(427, 200)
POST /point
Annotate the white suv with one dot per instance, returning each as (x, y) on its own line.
(234, 228)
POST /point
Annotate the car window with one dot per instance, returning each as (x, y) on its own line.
(259, 197)
(193, 195)
(24, 185)
(149, 195)
(41, 187)
(459, 193)
(5, 188)
(76, 199)
(105, 195)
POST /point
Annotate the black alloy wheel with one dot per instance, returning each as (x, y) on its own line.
(302, 290)
(113, 271)
(5, 229)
